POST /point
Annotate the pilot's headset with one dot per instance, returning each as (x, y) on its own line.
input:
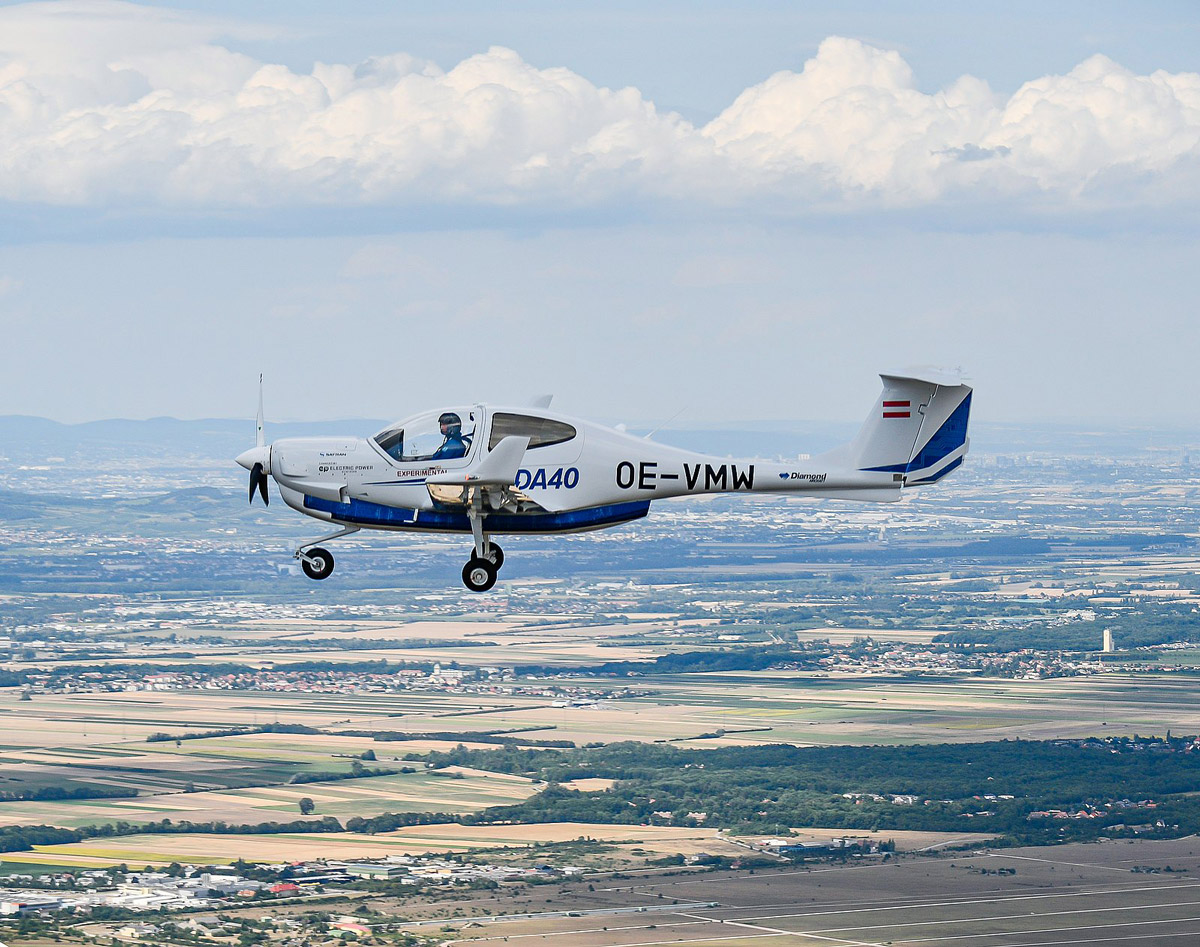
(452, 421)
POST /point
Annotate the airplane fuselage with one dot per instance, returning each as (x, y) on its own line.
(600, 477)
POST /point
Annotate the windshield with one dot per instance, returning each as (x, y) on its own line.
(435, 435)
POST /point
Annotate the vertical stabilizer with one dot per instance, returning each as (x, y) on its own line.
(917, 430)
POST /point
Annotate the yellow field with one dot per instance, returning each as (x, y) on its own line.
(421, 791)
(307, 747)
(590, 784)
(163, 849)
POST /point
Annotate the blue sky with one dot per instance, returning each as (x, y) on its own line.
(698, 56)
(744, 212)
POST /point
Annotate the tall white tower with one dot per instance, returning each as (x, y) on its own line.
(1108, 641)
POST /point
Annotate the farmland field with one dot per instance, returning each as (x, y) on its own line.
(806, 709)
(99, 741)
(568, 640)
(423, 791)
(163, 849)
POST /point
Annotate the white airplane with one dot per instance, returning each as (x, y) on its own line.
(486, 470)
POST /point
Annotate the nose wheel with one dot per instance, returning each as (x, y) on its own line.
(317, 563)
(479, 574)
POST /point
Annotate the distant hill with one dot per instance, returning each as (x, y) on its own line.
(22, 435)
(24, 438)
(210, 437)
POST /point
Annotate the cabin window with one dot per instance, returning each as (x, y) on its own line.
(435, 436)
(542, 432)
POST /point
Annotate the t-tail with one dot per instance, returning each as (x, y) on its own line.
(917, 431)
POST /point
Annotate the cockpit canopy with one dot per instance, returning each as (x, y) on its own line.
(431, 436)
(449, 434)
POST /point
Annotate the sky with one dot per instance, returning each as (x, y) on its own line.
(733, 211)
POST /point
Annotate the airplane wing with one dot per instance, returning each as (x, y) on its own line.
(502, 462)
(494, 474)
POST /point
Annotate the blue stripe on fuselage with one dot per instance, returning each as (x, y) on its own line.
(366, 513)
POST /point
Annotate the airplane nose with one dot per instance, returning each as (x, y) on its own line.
(255, 455)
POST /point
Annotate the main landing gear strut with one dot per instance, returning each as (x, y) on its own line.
(479, 574)
(316, 562)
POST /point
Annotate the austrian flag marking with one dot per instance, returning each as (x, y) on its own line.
(892, 409)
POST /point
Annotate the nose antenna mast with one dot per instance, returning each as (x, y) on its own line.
(259, 434)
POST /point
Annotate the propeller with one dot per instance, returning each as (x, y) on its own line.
(258, 459)
(258, 479)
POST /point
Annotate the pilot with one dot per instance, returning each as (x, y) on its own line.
(454, 445)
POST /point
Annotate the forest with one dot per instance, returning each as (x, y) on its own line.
(1094, 787)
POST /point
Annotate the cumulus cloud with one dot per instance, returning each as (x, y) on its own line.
(854, 119)
(109, 103)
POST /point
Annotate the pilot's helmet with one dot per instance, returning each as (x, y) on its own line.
(451, 420)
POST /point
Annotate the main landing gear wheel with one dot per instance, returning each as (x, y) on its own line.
(495, 555)
(479, 575)
(318, 563)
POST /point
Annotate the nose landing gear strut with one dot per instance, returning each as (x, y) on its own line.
(316, 562)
